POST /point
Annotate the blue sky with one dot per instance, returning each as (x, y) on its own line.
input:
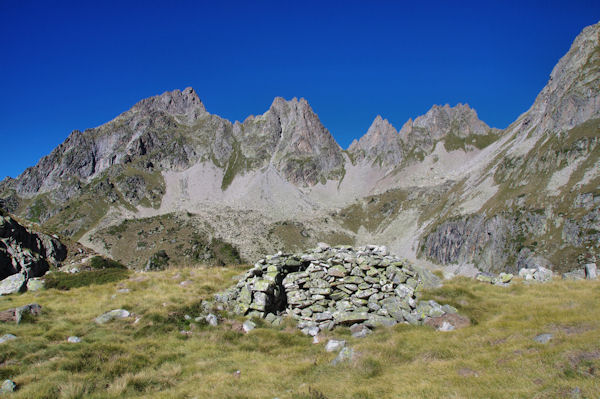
(67, 66)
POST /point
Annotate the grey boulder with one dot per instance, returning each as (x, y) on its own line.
(12, 284)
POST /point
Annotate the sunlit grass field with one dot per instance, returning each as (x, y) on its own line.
(496, 357)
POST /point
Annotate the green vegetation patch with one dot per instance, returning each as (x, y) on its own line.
(100, 262)
(453, 142)
(237, 164)
(67, 281)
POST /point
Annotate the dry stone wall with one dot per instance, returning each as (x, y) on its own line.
(327, 287)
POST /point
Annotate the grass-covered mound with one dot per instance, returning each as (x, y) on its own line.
(494, 358)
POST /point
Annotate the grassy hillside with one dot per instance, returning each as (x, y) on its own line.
(494, 358)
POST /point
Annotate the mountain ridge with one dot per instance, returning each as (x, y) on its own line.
(406, 187)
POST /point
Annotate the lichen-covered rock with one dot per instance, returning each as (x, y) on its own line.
(35, 284)
(248, 326)
(326, 287)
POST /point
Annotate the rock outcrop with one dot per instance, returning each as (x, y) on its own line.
(25, 252)
(363, 288)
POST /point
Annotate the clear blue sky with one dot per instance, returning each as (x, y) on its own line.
(66, 66)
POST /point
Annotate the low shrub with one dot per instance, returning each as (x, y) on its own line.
(158, 261)
(100, 262)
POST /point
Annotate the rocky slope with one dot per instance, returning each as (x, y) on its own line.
(446, 188)
(542, 181)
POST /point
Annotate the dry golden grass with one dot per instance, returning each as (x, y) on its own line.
(494, 358)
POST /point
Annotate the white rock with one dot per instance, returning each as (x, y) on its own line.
(446, 327)
(73, 340)
(248, 326)
(7, 337)
(211, 319)
(334, 345)
(322, 246)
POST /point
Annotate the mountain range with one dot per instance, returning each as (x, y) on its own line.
(444, 190)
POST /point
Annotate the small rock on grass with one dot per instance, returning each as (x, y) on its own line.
(248, 326)
(113, 314)
(7, 337)
(446, 326)
(211, 319)
(543, 338)
(8, 386)
(334, 345)
(73, 340)
(345, 355)
(448, 322)
(360, 331)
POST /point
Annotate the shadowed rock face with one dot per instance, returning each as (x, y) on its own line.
(26, 252)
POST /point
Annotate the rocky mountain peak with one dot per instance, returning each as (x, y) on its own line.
(302, 141)
(441, 120)
(174, 102)
(381, 144)
(571, 95)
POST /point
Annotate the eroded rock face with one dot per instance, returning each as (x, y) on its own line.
(364, 288)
